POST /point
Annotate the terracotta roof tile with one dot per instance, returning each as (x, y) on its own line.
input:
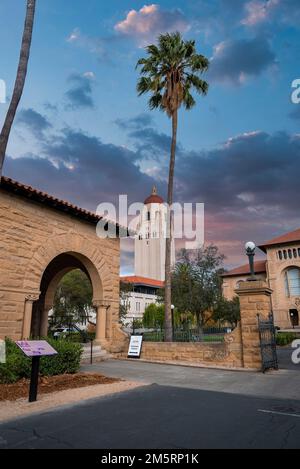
(142, 281)
(23, 190)
(259, 267)
(287, 238)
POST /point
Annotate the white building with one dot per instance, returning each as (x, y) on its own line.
(143, 293)
(150, 244)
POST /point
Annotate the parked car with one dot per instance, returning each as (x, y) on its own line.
(64, 331)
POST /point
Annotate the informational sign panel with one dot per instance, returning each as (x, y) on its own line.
(36, 348)
(135, 346)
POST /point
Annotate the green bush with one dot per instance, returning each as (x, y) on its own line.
(18, 366)
(285, 338)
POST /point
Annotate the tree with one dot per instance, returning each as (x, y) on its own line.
(20, 80)
(171, 70)
(73, 297)
(154, 316)
(196, 284)
(227, 311)
(124, 307)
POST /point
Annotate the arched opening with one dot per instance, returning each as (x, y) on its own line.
(57, 269)
(291, 278)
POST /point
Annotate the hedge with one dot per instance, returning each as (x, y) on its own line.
(285, 338)
(18, 366)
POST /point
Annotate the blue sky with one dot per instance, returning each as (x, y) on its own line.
(81, 124)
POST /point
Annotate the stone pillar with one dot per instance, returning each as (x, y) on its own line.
(29, 300)
(44, 322)
(255, 298)
(101, 311)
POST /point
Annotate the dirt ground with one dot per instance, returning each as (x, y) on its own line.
(48, 385)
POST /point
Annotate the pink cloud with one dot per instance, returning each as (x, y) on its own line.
(147, 23)
(259, 11)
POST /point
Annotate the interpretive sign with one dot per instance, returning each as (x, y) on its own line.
(35, 349)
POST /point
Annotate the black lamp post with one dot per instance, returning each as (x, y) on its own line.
(250, 251)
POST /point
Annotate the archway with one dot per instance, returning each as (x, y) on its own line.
(52, 276)
(37, 322)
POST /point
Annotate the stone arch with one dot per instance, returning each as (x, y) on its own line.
(76, 245)
(50, 263)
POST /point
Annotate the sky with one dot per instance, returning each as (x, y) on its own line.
(83, 134)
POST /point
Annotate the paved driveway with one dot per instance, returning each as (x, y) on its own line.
(162, 417)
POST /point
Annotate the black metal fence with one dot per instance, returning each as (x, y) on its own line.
(267, 335)
(207, 334)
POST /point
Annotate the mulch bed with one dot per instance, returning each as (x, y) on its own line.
(48, 385)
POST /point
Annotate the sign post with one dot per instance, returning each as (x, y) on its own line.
(135, 346)
(35, 349)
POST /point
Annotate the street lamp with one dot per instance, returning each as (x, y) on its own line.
(172, 314)
(250, 251)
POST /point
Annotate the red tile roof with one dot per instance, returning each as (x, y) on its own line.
(149, 282)
(287, 238)
(154, 199)
(15, 187)
(259, 268)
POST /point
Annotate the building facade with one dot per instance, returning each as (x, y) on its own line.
(281, 271)
(143, 292)
(150, 242)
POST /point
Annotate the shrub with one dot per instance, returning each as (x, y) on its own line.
(18, 366)
(285, 338)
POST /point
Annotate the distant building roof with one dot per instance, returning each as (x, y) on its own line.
(154, 198)
(28, 192)
(287, 238)
(259, 268)
(148, 282)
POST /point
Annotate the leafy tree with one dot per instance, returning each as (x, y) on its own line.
(154, 316)
(20, 80)
(169, 73)
(227, 311)
(124, 308)
(196, 282)
(73, 297)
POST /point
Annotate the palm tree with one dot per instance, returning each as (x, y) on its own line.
(170, 71)
(20, 80)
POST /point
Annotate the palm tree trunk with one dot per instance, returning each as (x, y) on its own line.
(20, 81)
(168, 274)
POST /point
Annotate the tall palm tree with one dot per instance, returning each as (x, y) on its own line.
(170, 71)
(20, 80)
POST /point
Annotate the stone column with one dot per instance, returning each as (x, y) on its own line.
(44, 322)
(29, 300)
(255, 298)
(101, 311)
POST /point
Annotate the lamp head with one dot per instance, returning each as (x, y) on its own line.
(250, 247)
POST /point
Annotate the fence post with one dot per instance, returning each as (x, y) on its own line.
(255, 298)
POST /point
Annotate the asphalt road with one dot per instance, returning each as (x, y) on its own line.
(157, 417)
(181, 407)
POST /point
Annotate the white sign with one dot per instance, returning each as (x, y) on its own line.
(135, 346)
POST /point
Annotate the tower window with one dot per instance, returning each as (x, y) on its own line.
(148, 216)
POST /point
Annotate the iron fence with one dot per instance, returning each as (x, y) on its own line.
(207, 334)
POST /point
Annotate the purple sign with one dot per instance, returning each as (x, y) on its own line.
(36, 348)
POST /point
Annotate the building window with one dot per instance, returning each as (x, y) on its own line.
(148, 216)
(280, 255)
(138, 307)
(295, 253)
(285, 254)
(292, 282)
(290, 254)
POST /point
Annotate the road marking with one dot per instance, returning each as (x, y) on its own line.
(278, 413)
